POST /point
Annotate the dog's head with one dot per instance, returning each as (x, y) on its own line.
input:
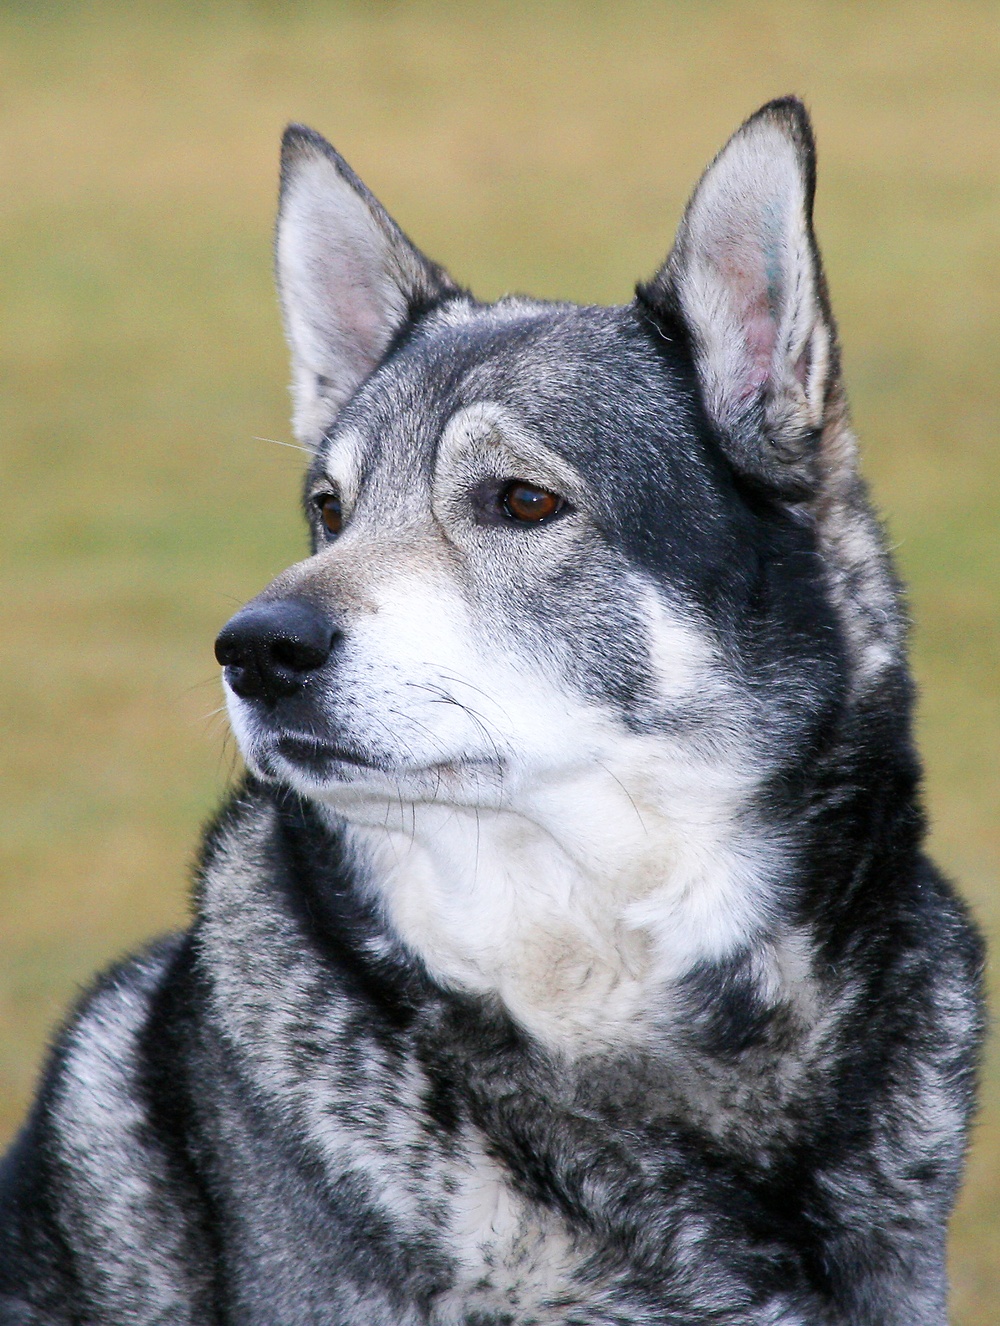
(550, 538)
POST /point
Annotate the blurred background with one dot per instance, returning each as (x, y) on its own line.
(148, 487)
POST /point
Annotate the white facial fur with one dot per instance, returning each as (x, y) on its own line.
(524, 840)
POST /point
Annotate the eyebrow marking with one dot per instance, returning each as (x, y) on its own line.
(342, 463)
(488, 429)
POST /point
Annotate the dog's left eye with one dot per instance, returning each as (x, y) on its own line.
(527, 505)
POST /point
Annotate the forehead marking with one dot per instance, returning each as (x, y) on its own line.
(342, 462)
(487, 436)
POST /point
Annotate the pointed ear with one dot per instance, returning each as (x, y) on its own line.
(744, 277)
(348, 278)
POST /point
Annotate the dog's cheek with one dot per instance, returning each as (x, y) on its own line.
(597, 634)
(409, 670)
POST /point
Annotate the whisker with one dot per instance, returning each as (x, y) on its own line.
(198, 685)
(627, 793)
(445, 697)
(293, 446)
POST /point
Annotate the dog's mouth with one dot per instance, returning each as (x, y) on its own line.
(322, 761)
(322, 758)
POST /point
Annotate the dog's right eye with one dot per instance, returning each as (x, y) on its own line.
(331, 511)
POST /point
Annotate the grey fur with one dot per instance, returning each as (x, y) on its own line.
(568, 955)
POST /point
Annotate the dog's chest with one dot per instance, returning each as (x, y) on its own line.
(512, 1259)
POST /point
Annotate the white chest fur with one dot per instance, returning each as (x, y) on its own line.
(579, 907)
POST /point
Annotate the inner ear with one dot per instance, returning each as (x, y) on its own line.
(745, 278)
(349, 279)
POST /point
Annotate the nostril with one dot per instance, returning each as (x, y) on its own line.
(299, 655)
(227, 650)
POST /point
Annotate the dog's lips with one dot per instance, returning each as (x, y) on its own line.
(317, 756)
(323, 760)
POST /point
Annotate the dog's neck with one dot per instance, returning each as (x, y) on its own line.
(580, 906)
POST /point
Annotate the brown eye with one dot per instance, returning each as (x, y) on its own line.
(527, 504)
(329, 507)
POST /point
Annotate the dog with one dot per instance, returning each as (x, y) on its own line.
(568, 954)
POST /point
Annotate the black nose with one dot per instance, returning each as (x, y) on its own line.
(269, 648)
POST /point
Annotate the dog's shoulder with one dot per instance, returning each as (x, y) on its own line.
(96, 1171)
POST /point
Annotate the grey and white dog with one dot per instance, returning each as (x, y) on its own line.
(568, 954)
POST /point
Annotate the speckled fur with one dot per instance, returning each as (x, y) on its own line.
(606, 982)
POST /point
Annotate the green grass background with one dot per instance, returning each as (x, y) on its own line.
(545, 146)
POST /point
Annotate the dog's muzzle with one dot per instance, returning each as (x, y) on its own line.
(270, 648)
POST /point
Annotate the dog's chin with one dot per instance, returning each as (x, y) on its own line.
(311, 763)
(323, 761)
(335, 773)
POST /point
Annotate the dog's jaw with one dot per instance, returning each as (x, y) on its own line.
(571, 866)
(580, 903)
